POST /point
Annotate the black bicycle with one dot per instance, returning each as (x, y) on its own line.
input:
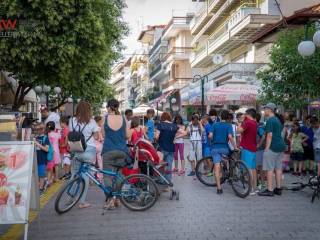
(232, 169)
(313, 184)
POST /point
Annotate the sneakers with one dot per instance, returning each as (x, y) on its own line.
(277, 191)
(191, 174)
(266, 193)
(219, 191)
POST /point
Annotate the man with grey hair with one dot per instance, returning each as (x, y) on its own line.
(275, 146)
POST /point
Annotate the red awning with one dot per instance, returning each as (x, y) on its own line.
(163, 96)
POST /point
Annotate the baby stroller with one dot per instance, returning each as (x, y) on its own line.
(149, 164)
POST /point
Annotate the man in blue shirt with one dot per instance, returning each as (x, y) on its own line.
(308, 154)
(150, 125)
(221, 134)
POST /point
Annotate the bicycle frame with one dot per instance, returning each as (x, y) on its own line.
(89, 170)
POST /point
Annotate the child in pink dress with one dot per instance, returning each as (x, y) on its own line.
(99, 145)
(53, 165)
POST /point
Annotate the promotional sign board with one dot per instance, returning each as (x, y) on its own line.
(16, 162)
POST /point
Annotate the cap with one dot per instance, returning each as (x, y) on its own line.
(271, 106)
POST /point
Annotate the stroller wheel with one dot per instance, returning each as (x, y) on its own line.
(171, 194)
(177, 195)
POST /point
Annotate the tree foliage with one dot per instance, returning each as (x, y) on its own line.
(66, 43)
(290, 79)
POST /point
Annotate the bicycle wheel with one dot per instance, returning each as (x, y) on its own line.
(314, 182)
(205, 172)
(69, 195)
(240, 179)
(138, 192)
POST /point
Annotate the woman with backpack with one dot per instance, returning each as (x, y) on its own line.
(83, 125)
(115, 151)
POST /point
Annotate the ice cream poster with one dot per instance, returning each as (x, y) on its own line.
(16, 159)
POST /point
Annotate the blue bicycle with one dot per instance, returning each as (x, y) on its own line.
(137, 192)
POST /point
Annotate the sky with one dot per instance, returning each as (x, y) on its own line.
(141, 13)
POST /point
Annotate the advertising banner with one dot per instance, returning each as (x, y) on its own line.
(16, 162)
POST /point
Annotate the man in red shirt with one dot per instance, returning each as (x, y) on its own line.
(248, 144)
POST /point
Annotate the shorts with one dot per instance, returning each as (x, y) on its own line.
(42, 171)
(308, 153)
(259, 157)
(272, 160)
(206, 152)
(249, 158)
(195, 151)
(66, 159)
(317, 155)
(217, 154)
(297, 156)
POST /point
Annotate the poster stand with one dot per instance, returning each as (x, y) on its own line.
(18, 183)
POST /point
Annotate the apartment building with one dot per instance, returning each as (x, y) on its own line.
(169, 65)
(120, 75)
(222, 31)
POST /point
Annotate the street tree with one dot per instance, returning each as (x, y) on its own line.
(67, 43)
(290, 79)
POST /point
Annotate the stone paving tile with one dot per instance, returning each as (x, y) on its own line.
(200, 214)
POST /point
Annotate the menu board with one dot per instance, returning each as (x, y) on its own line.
(16, 161)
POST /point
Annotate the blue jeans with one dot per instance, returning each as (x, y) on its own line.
(217, 154)
(168, 157)
(88, 156)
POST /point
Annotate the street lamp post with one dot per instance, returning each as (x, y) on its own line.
(197, 78)
(46, 90)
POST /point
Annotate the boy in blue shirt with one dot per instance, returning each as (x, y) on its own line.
(221, 134)
(42, 146)
(150, 125)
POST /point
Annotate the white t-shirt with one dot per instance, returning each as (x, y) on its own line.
(87, 132)
(195, 133)
(53, 117)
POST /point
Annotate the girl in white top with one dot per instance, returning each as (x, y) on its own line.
(90, 130)
(195, 130)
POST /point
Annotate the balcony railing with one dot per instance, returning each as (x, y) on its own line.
(234, 19)
(242, 13)
(177, 51)
(155, 46)
(178, 21)
(155, 71)
(176, 83)
(199, 16)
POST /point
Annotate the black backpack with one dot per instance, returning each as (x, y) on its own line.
(76, 139)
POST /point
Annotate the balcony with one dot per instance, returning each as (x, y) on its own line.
(118, 77)
(234, 71)
(200, 19)
(177, 53)
(241, 27)
(199, 57)
(215, 5)
(155, 72)
(176, 25)
(155, 46)
(175, 84)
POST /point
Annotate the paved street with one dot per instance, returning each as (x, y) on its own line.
(200, 214)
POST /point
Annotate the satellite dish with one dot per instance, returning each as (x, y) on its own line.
(217, 59)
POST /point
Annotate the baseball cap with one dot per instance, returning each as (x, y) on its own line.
(271, 106)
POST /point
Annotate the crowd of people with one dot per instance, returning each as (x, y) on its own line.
(269, 147)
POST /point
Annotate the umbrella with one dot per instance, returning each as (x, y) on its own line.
(142, 110)
(242, 94)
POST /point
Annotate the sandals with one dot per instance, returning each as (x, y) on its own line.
(84, 205)
(112, 204)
